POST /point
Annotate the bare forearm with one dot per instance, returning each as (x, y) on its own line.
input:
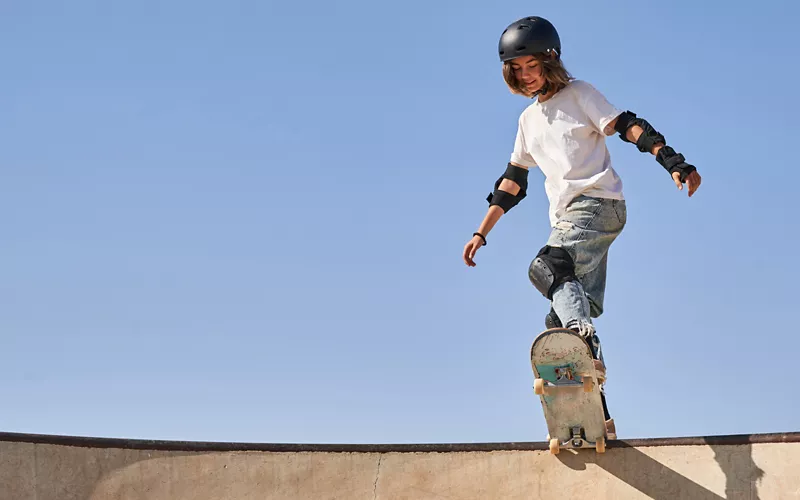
(495, 212)
(492, 216)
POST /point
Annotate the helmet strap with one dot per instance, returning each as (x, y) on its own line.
(542, 90)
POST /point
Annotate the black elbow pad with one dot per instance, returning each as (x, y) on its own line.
(505, 200)
(649, 138)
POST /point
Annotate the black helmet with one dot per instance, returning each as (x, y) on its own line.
(528, 36)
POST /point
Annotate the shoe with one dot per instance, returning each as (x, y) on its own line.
(552, 320)
(585, 330)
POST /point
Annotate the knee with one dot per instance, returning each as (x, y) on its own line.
(551, 267)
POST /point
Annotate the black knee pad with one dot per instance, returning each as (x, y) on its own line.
(551, 267)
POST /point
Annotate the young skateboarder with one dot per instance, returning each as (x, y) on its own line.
(562, 133)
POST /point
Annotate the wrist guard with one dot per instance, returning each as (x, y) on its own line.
(674, 162)
(666, 156)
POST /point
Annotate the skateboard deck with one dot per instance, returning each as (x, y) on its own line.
(567, 384)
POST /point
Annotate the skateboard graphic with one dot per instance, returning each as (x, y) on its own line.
(567, 384)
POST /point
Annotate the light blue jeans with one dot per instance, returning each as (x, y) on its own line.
(586, 231)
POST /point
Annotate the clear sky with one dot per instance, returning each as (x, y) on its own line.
(243, 221)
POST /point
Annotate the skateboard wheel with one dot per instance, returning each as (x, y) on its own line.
(600, 445)
(538, 386)
(588, 384)
(554, 446)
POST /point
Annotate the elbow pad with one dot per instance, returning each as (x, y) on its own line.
(649, 138)
(506, 200)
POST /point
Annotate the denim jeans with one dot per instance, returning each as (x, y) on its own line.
(586, 231)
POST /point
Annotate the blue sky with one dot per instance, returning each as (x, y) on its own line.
(243, 221)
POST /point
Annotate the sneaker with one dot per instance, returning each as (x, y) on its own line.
(552, 320)
(584, 329)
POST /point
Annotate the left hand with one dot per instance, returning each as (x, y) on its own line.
(470, 249)
(692, 181)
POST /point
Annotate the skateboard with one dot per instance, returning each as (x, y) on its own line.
(568, 386)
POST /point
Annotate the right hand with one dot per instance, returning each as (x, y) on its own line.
(470, 249)
(692, 181)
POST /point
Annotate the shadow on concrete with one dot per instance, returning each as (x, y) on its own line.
(741, 472)
(41, 471)
(639, 470)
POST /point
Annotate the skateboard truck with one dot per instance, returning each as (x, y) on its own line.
(576, 441)
(577, 437)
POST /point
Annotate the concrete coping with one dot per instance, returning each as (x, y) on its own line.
(206, 446)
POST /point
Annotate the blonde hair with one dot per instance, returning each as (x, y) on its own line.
(555, 74)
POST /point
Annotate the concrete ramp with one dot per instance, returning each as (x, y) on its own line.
(38, 467)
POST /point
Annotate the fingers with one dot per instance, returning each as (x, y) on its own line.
(469, 253)
(470, 249)
(676, 176)
(693, 181)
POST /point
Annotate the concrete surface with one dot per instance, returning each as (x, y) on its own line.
(37, 467)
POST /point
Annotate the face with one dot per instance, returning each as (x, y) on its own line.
(528, 72)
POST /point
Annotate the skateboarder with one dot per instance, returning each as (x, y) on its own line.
(562, 133)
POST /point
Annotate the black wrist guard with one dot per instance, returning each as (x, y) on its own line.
(674, 162)
(506, 200)
(649, 138)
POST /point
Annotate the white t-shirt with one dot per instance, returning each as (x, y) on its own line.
(564, 137)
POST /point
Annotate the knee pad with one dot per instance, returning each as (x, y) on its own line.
(551, 267)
